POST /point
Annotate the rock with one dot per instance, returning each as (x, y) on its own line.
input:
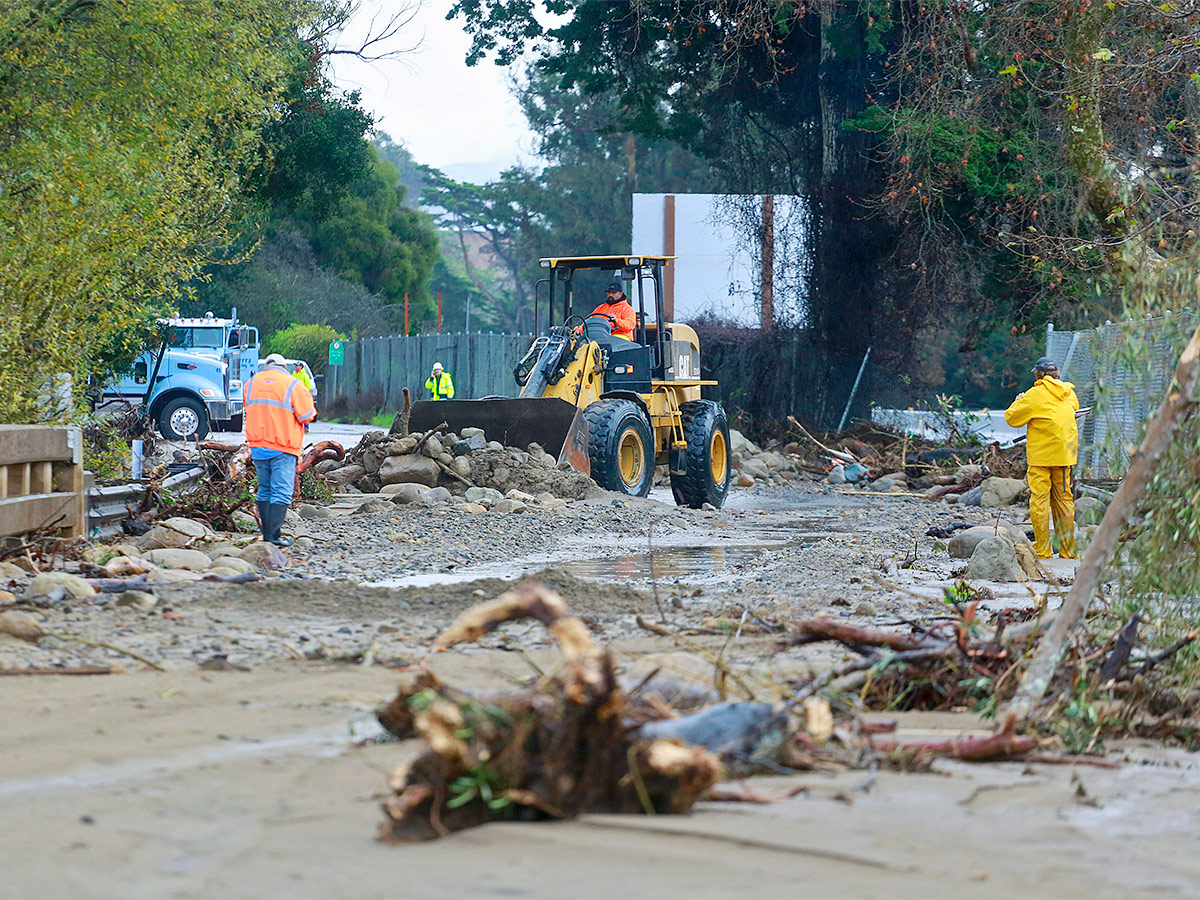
(403, 445)
(469, 445)
(174, 576)
(309, 511)
(755, 470)
(436, 495)
(20, 625)
(304, 543)
(866, 609)
(1029, 564)
(409, 469)
(774, 461)
(189, 527)
(222, 571)
(745, 479)
(837, 475)
(432, 448)
(244, 521)
(740, 444)
(369, 484)
(973, 497)
(462, 465)
(124, 566)
(137, 599)
(856, 473)
(1001, 491)
(9, 571)
(995, 559)
(483, 495)
(179, 558)
(403, 493)
(885, 483)
(71, 584)
(264, 555)
(346, 476)
(161, 537)
(373, 507)
(968, 472)
(232, 562)
(373, 457)
(473, 508)
(325, 466)
(466, 433)
(964, 542)
(7, 597)
(554, 503)
(1088, 511)
(505, 507)
(520, 496)
(492, 445)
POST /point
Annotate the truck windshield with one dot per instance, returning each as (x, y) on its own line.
(202, 338)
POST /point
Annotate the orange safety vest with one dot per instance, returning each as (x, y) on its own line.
(278, 407)
(623, 313)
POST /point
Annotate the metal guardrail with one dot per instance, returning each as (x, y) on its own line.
(107, 506)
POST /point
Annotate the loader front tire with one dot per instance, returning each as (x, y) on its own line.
(620, 447)
(706, 468)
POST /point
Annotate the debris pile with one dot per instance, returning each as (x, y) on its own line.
(456, 462)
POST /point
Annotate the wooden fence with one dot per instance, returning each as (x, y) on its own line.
(480, 364)
(41, 480)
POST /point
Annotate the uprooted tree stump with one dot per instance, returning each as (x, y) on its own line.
(564, 748)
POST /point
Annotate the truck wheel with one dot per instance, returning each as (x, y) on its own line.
(620, 447)
(183, 419)
(706, 466)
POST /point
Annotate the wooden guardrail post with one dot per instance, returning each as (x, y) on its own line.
(41, 480)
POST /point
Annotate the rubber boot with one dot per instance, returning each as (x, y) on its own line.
(278, 513)
(264, 518)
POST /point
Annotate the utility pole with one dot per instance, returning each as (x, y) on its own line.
(768, 263)
(467, 327)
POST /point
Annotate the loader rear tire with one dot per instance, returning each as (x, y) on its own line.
(620, 447)
(706, 468)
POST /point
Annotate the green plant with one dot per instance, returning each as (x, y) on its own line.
(307, 342)
(105, 453)
(479, 782)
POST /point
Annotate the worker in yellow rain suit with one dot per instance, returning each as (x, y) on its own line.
(1052, 448)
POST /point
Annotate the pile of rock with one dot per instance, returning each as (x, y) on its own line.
(753, 465)
(173, 551)
(455, 463)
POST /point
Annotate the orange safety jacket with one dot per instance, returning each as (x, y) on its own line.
(278, 407)
(623, 313)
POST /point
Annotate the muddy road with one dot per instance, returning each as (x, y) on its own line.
(249, 767)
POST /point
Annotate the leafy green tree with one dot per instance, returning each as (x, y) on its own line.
(127, 130)
(307, 342)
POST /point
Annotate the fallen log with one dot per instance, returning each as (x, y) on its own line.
(50, 670)
(1004, 743)
(559, 750)
(811, 631)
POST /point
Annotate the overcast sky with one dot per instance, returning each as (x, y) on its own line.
(450, 115)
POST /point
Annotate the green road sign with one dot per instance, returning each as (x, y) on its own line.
(337, 353)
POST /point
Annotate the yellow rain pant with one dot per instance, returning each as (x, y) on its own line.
(1050, 492)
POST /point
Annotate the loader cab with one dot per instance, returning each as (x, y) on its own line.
(632, 364)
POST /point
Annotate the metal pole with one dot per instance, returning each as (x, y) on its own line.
(467, 326)
(854, 390)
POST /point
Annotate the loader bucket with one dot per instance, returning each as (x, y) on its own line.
(514, 423)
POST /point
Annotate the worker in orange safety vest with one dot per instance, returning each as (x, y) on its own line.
(278, 407)
(617, 309)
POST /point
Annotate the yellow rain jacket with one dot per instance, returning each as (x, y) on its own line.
(1048, 408)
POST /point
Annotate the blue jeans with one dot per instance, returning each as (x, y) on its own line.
(276, 476)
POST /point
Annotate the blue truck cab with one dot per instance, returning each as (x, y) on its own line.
(193, 381)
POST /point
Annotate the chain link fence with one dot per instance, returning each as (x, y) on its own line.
(1121, 370)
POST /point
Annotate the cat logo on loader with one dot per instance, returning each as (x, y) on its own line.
(614, 408)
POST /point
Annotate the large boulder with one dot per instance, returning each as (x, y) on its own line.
(1002, 491)
(232, 563)
(468, 433)
(436, 495)
(963, 543)
(179, 558)
(995, 559)
(264, 556)
(373, 457)
(175, 532)
(483, 495)
(409, 469)
(403, 445)
(403, 493)
(346, 476)
(73, 585)
(433, 447)
(740, 444)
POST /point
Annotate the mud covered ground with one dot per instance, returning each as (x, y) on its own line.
(237, 772)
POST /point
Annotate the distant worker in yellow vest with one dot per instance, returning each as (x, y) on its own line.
(301, 374)
(1051, 448)
(440, 384)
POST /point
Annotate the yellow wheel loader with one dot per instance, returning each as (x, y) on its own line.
(613, 407)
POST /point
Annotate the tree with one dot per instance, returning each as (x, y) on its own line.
(126, 132)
